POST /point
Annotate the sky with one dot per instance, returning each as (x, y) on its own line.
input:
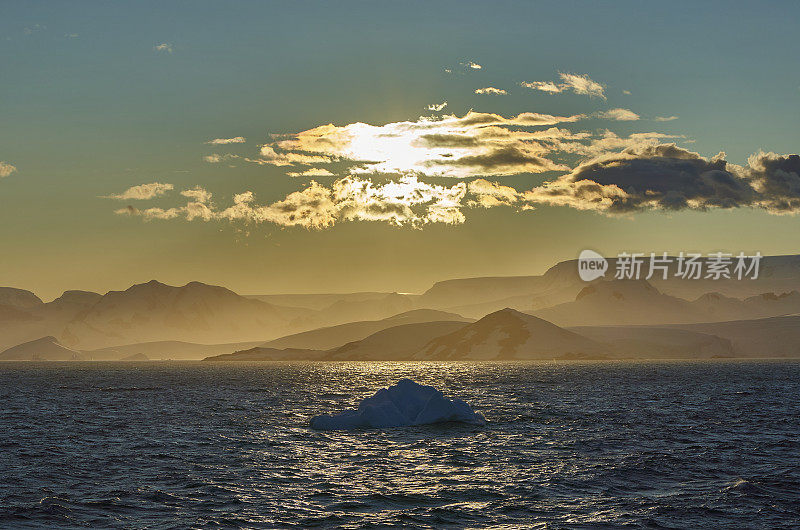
(305, 146)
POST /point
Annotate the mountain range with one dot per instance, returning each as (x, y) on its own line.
(503, 335)
(544, 316)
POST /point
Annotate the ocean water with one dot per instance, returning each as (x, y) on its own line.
(568, 445)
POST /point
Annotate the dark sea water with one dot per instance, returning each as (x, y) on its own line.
(568, 445)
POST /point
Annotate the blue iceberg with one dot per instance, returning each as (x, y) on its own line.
(404, 404)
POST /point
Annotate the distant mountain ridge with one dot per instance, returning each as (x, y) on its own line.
(154, 311)
(333, 336)
(764, 337)
(165, 350)
(638, 302)
(560, 283)
(317, 302)
(146, 312)
(658, 342)
(205, 315)
(509, 334)
(396, 343)
(42, 349)
(19, 298)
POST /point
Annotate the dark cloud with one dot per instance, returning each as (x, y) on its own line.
(668, 177)
(446, 141)
(505, 159)
(777, 180)
(661, 176)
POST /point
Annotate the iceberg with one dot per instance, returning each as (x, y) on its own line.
(404, 404)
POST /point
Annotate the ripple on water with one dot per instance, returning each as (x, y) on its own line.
(592, 445)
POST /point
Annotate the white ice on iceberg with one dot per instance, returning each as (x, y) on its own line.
(401, 405)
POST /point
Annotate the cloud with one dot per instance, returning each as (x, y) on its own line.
(491, 91)
(380, 173)
(582, 84)
(275, 156)
(667, 177)
(488, 194)
(150, 213)
(198, 194)
(142, 192)
(618, 115)
(312, 172)
(30, 30)
(607, 141)
(215, 158)
(198, 207)
(645, 176)
(163, 47)
(580, 195)
(475, 144)
(6, 169)
(224, 141)
(776, 180)
(544, 86)
(404, 202)
(660, 176)
(463, 67)
(579, 84)
(503, 160)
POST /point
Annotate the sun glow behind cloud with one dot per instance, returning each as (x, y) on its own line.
(476, 144)
(383, 167)
(380, 172)
(645, 176)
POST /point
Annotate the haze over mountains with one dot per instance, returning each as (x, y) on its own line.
(43, 349)
(503, 335)
(619, 302)
(475, 318)
(329, 337)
